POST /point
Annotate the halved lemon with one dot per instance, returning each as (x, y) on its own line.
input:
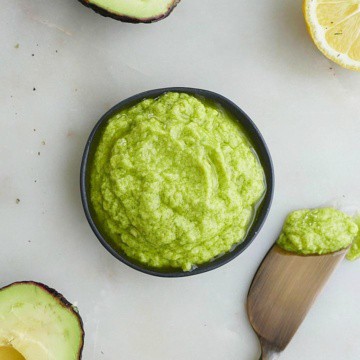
(334, 26)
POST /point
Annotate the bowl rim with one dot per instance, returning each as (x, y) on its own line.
(257, 141)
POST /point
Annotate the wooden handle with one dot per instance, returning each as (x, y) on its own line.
(282, 292)
(269, 356)
(268, 353)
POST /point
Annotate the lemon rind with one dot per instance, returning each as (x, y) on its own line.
(317, 34)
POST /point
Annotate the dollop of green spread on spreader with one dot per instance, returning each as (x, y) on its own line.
(317, 231)
(354, 252)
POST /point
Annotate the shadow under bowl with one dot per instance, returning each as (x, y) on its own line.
(257, 142)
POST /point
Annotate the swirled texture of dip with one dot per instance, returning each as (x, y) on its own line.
(175, 182)
(317, 231)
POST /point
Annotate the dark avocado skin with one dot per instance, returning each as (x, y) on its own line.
(128, 19)
(62, 301)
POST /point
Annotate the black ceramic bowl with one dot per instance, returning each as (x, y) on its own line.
(251, 131)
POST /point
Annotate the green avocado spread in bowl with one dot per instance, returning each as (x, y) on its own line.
(174, 182)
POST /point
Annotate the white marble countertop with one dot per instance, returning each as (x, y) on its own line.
(71, 66)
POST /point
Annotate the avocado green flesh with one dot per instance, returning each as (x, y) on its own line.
(317, 231)
(138, 9)
(38, 325)
(175, 182)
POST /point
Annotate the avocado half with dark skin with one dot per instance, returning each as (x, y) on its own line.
(133, 11)
(38, 323)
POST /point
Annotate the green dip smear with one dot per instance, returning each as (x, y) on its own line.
(354, 252)
(317, 231)
(175, 182)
